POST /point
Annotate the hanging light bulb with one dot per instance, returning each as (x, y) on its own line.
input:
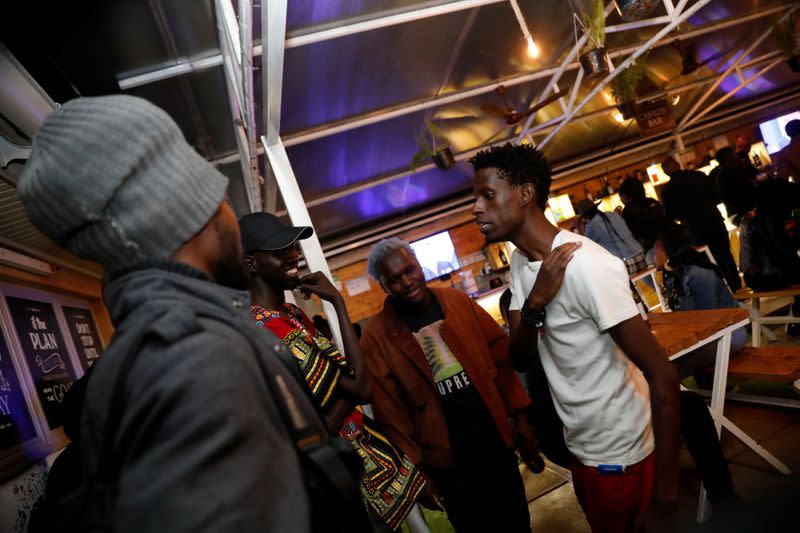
(618, 117)
(676, 99)
(533, 48)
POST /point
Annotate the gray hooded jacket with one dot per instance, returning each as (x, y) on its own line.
(200, 444)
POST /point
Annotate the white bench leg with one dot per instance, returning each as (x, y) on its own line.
(756, 447)
(755, 314)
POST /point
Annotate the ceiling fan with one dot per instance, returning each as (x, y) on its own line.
(510, 115)
(688, 52)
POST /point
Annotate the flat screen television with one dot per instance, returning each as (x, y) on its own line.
(561, 207)
(436, 255)
(774, 131)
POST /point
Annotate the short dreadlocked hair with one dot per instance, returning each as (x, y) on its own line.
(518, 164)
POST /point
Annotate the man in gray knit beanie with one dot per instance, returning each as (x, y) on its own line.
(182, 427)
(113, 179)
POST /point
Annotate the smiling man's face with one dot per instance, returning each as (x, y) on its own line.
(402, 278)
(278, 268)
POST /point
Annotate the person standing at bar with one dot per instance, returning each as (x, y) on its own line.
(445, 392)
(788, 158)
(644, 216)
(692, 197)
(735, 183)
(610, 231)
(572, 307)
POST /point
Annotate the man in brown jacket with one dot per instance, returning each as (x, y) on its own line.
(445, 392)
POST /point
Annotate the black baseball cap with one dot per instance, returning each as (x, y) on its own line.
(263, 231)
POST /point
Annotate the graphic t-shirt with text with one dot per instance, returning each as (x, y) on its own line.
(448, 374)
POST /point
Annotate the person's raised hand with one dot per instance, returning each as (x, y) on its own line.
(551, 275)
(319, 284)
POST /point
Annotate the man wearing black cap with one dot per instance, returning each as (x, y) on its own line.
(186, 424)
(273, 257)
(337, 381)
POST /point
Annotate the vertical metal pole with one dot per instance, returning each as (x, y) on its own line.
(717, 405)
(273, 28)
(233, 77)
(298, 214)
(273, 37)
(248, 112)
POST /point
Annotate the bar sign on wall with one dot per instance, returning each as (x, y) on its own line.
(45, 354)
(83, 331)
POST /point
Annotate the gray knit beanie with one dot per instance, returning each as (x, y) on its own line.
(112, 179)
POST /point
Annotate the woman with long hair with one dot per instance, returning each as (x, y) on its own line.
(693, 283)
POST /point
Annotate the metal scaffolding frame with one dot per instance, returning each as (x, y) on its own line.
(679, 15)
(236, 44)
(542, 128)
(564, 175)
(691, 117)
(274, 38)
(372, 117)
(311, 35)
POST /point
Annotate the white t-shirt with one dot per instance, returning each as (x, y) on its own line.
(600, 395)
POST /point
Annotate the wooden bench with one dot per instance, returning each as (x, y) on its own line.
(776, 363)
(753, 299)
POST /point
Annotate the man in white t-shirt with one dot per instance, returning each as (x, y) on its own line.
(612, 384)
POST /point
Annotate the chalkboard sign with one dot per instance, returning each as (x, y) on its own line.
(45, 354)
(84, 334)
(16, 425)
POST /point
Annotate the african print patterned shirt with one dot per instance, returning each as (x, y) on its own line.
(390, 483)
(318, 358)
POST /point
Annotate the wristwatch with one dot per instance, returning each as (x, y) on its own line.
(535, 319)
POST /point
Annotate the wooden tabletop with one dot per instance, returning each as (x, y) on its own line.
(681, 329)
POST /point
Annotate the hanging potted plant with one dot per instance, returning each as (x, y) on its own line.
(788, 40)
(434, 146)
(623, 88)
(595, 60)
(631, 10)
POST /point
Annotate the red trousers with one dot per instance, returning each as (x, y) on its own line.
(614, 502)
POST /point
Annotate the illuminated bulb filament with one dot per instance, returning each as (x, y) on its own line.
(533, 49)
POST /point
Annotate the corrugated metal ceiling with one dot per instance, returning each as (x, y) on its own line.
(340, 79)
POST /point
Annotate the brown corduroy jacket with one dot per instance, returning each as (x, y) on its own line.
(405, 399)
